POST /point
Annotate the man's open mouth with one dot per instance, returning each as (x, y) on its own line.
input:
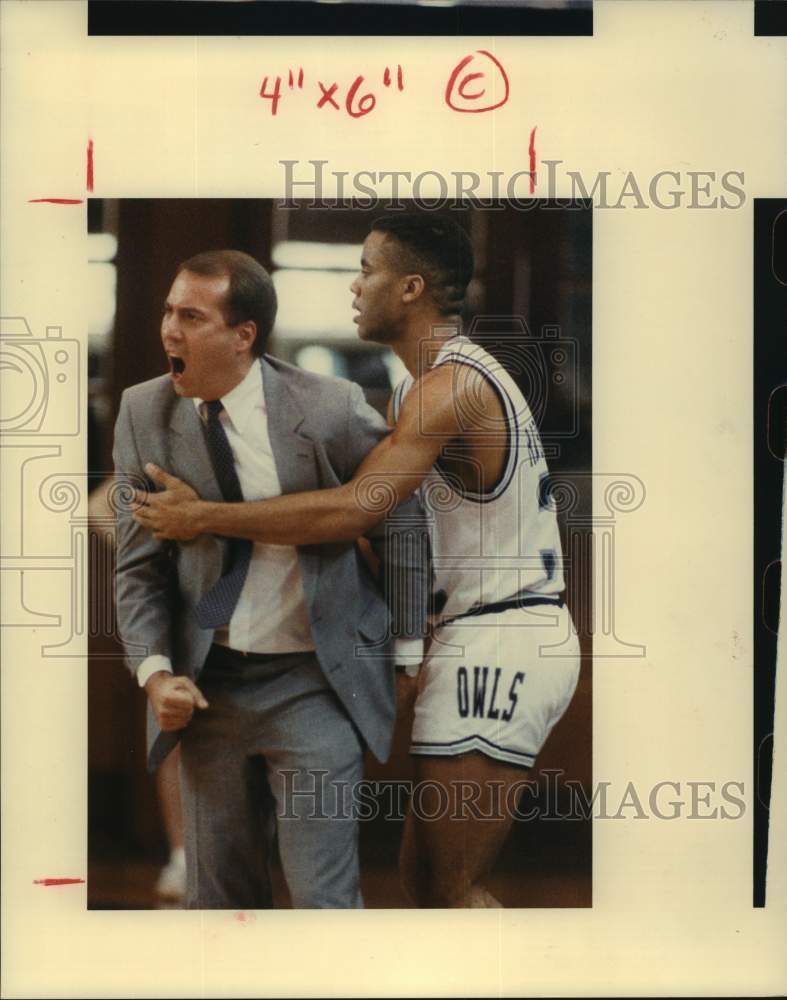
(176, 365)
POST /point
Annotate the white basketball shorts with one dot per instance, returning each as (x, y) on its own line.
(497, 683)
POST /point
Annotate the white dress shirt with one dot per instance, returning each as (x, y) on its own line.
(271, 614)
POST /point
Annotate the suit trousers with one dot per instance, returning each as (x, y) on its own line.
(274, 757)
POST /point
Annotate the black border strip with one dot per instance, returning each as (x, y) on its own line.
(770, 17)
(304, 17)
(769, 370)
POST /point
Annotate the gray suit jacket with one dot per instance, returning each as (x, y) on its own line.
(320, 430)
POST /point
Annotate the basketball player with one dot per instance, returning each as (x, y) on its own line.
(488, 692)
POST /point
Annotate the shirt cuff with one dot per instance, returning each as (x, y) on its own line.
(148, 667)
(408, 651)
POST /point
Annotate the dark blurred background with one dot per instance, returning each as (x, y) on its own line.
(529, 305)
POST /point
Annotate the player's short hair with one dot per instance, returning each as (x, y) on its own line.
(436, 248)
(251, 294)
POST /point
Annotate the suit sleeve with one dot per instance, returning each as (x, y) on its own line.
(145, 580)
(401, 540)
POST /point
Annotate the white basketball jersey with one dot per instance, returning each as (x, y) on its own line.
(502, 544)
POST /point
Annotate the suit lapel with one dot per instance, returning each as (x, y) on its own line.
(296, 463)
(189, 460)
(293, 452)
(189, 456)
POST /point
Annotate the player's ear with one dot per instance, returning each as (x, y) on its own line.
(414, 286)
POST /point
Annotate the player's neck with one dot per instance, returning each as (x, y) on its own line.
(422, 342)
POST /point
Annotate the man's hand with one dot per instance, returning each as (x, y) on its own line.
(174, 699)
(171, 513)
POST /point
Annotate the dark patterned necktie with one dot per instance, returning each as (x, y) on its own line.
(215, 608)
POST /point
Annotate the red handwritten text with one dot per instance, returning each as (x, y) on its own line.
(467, 90)
(357, 101)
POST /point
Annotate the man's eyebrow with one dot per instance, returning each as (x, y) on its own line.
(184, 307)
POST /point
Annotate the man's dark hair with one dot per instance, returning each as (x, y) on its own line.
(251, 294)
(436, 248)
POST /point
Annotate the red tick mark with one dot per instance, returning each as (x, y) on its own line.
(90, 164)
(56, 201)
(58, 881)
(532, 151)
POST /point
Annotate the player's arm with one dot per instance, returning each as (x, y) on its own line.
(389, 474)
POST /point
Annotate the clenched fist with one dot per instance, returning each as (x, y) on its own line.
(174, 699)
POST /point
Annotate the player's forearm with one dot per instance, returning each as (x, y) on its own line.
(331, 515)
